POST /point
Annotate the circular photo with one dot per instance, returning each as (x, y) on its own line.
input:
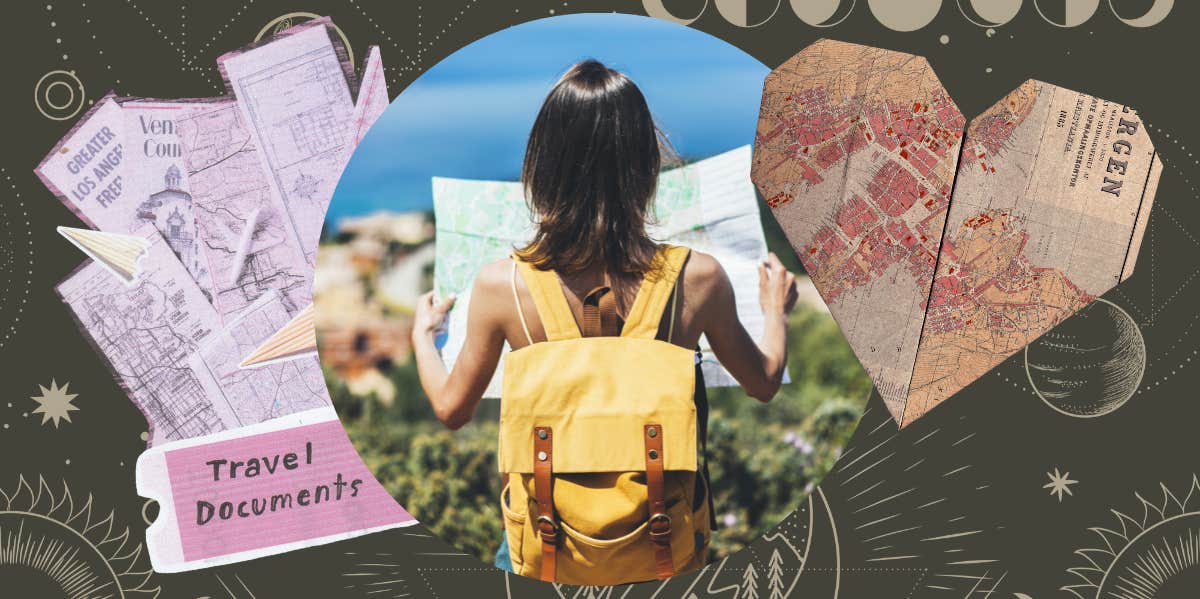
(558, 322)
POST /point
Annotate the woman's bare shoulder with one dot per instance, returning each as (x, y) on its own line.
(703, 274)
(494, 275)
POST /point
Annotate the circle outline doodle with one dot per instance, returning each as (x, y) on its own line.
(1134, 387)
(306, 15)
(146, 504)
(40, 94)
(52, 85)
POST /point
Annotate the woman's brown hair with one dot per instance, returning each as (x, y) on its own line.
(590, 171)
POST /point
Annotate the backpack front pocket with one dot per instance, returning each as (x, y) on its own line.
(594, 559)
(514, 528)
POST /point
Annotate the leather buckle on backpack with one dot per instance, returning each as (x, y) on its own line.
(660, 526)
(547, 529)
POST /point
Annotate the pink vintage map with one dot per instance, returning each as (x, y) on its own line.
(857, 154)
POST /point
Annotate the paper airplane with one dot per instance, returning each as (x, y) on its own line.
(1038, 210)
(296, 338)
(119, 254)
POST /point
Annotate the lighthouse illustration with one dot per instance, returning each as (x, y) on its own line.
(171, 212)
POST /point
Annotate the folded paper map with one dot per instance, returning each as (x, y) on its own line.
(248, 240)
(938, 255)
(708, 206)
(1053, 194)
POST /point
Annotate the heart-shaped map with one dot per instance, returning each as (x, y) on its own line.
(941, 255)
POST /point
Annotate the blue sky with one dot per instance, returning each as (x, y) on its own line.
(469, 115)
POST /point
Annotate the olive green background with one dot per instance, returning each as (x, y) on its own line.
(958, 495)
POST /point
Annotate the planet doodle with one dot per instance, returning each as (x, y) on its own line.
(1091, 364)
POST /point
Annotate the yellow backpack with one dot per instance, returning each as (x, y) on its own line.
(598, 437)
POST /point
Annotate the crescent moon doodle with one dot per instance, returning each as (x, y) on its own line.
(999, 11)
(1152, 17)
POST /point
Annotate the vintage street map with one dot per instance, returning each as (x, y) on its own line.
(1053, 194)
(1040, 210)
(708, 206)
(165, 345)
(271, 390)
(294, 94)
(196, 169)
(855, 155)
(230, 192)
(147, 330)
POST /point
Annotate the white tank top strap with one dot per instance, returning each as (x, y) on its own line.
(671, 325)
(517, 300)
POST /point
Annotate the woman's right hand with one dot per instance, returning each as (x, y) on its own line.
(429, 315)
(776, 287)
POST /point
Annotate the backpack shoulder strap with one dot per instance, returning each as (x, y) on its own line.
(549, 302)
(658, 288)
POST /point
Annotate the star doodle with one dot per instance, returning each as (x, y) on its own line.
(54, 403)
(1059, 484)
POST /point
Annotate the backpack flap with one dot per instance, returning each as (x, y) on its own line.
(598, 419)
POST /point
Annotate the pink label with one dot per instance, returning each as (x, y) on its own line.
(274, 488)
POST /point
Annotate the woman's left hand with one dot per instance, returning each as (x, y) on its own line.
(430, 315)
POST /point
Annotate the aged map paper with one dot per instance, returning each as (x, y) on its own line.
(372, 98)
(227, 263)
(1040, 210)
(1052, 198)
(855, 154)
(270, 391)
(147, 330)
